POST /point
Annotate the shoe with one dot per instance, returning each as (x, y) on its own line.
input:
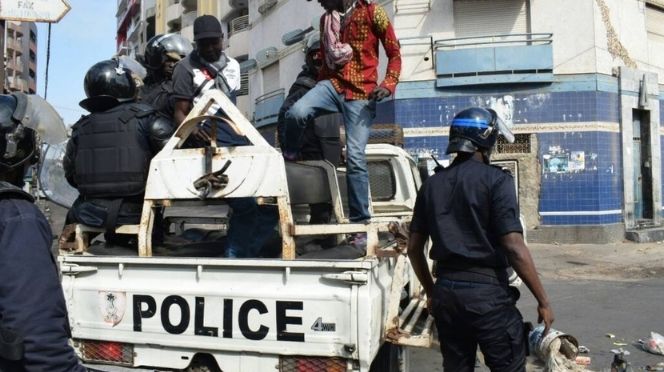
(358, 240)
(289, 155)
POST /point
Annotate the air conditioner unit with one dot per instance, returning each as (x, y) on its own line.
(267, 56)
(267, 6)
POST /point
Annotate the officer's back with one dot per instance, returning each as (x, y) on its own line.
(471, 211)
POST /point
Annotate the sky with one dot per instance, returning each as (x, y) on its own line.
(85, 36)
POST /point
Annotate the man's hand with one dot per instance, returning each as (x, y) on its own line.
(201, 134)
(545, 314)
(379, 93)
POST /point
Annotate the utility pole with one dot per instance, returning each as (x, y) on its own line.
(2, 48)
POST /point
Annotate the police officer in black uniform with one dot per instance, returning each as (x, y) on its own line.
(162, 52)
(471, 213)
(34, 326)
(321, 135)
(109, 152)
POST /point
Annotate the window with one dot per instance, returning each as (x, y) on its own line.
(521, 145)
(490, 17)
(655, 22)
(381, 180)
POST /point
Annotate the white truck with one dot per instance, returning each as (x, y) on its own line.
(299, 312)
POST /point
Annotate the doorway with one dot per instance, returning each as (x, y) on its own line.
(642, 166)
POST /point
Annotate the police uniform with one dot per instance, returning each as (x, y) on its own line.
(158, 95)
(465, 209)
(107, 160)
(32, 304)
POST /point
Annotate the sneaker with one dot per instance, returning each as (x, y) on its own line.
(358, 239)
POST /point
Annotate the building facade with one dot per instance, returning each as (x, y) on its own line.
(582, 82)
(20, 56)
(135, 25)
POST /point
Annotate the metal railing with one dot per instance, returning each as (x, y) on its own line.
(419, 41)
(269, 95)
(238, 24)
(486, 40)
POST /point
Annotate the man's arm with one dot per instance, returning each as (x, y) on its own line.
(522, 262)
(182, 108)
(387, 37)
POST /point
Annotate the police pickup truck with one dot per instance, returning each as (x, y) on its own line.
(152, 310)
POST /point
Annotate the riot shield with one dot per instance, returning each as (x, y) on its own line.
(52, 176)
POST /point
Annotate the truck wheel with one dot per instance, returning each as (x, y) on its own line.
(203, 363)
(390, 358)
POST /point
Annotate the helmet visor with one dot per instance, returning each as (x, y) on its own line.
(504, 129)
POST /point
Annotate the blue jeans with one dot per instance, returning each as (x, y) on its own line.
(358, 116)
(250, 227)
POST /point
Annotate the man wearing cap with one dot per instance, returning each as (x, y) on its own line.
(352, 90)
(207, 67)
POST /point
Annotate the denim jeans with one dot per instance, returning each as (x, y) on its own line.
(358, 116)
(250, 227)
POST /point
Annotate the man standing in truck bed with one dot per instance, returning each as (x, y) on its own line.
(352, 90)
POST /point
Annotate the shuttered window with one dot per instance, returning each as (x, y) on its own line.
(655, 22)
(490, 17)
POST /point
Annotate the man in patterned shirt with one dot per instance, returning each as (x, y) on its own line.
(353, 91)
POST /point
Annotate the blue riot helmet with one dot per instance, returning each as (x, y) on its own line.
(476, 129)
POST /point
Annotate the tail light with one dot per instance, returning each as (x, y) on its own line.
(106, 352)
(312, 364)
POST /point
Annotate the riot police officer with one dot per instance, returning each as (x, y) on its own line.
(34, 327)
(162, 52)
(109, 152)
(470, 211)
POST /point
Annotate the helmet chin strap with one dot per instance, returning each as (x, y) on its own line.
(486, 156)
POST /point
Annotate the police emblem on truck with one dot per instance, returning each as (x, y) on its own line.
(145, 307)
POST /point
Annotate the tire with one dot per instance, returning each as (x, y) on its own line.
(390, 358)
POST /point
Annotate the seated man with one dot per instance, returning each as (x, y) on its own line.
(109, 153)
(205, 68)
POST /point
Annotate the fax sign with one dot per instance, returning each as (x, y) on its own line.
(50, 11)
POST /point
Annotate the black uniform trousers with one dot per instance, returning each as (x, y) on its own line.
(469, 314)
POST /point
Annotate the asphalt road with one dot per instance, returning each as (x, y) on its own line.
(612, 296)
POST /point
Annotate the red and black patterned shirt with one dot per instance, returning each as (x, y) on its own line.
(362, 28)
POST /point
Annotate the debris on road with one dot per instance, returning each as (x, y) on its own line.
(657, 367)
(620, 364)
(583, 350)
(610, 335)
(583, 361)
(557, 349)
(654, 344)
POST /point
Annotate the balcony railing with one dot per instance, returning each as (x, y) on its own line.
(238, 24)
(494, 59)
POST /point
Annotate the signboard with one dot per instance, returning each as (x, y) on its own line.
(50, 11)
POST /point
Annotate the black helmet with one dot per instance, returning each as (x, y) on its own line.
(18, 143)
(476, 129)
(159, 47)
(108, 83)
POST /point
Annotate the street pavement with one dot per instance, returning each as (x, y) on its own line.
(595, 290)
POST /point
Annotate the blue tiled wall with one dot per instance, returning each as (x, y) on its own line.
(592, 195)
(595, 189)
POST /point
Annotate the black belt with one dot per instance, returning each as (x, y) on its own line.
(475, 274)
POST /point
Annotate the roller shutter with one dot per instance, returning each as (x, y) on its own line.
(490, 17)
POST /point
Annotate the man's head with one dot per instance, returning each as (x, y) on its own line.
(108, 83)
(162, 52)
(208, 37)
(18, 143)
(313, 56)
(328, 5)
(476, 129)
